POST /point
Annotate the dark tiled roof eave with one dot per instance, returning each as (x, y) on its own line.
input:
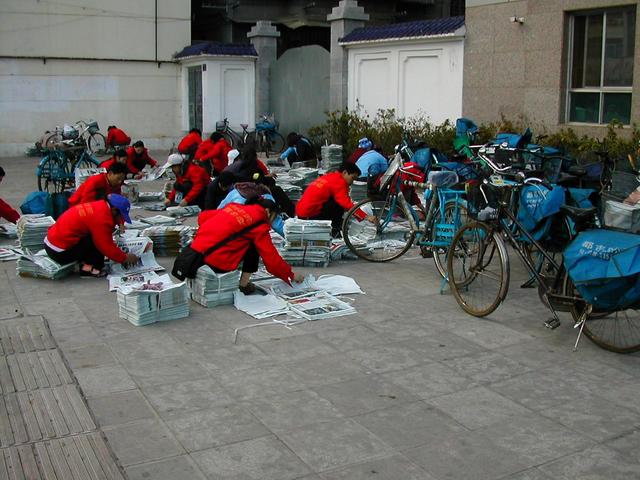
(216, 49)
(438, 28)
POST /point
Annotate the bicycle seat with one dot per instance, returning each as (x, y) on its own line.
(244, 125)
(578, 215)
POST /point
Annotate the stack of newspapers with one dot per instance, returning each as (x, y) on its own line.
(39, 265)
(159, 301)
(151, 197)
(188, 211)
(358, 191)
(169, 240)
(81, 174)
(331, 157)
(294, 192)
(307, 242)
(306, 175)
(159, 220)
(211, 289)
(31, 231)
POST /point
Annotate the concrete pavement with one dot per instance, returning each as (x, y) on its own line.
(409, 388)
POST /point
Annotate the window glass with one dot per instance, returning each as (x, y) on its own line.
(616, 106)
(584, 107)
(619, 47)
(593, 57)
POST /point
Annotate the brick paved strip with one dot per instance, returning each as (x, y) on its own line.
(22, 335)
(33, 370)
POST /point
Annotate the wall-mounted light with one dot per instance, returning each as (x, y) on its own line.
(519, 20)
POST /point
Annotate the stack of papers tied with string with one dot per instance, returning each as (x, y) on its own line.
(39, 265)
(358, 191)
(169, 240)
(31, 231)
(307, 242)
(151, 197)
(188, 211)
(211, 289)
(331, 157)
(159, 301)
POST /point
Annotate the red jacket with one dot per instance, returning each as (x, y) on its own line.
(331, 185)
(94, 219)
(216, 153)
(107, 163)
(136, 162)
(188, 142)
(7, 212)
(357, 153)
(115, 136)
(217, 225)
(96, 187)
(199, 179)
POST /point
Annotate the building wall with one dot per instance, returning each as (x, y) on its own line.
(416, 78)
(300, 88)
(514, 69)
(60, 63)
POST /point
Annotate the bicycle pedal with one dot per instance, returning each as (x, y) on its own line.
(426, 252)
(552, 323)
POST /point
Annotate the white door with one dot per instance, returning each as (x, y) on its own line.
(236, 94)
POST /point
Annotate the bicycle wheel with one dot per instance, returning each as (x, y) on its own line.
(614, 331)
(389, 238)
(53, 172)
(478, 269)
(86, 161)
(231, 140)
(274, 143)
(455, 215)
(97, 144)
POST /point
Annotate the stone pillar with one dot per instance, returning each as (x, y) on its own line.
(344, 18)
(263, 37)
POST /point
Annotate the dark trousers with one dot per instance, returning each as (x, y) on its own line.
(84, 251)
(250, 261)
(281, 198)
(331, 211)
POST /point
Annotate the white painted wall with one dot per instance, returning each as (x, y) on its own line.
(228, 90)
(412, 77)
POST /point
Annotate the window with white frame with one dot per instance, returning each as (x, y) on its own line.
(601, 66)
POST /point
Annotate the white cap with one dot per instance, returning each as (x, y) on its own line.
(173, 159)
(232, 155)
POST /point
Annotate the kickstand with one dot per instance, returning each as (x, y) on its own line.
(443, 285)
(581, 323)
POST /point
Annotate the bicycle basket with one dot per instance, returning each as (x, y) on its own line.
(261, 126)
(392, 169)
(92, 126)
(221, 125)
(69, 133)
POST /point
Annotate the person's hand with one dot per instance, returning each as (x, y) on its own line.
(130, 260)
(138, 176)
(184, 203)
(298, 277)
(371, 218)
(167, 202)
(121, 228)
(271, 175)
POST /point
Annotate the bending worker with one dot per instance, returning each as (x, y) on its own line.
(191, 182)
(98, 186)
(242, 233)
(84, 234)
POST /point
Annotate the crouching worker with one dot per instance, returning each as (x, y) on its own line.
(97, 187)
(327, 198)
(84, 234)
(191, 183)
(240, 233)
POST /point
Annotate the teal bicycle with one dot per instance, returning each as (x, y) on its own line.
(56, 170)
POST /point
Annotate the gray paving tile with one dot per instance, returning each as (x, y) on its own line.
(408, 425)
(295, 348)
(364, 395)
(89, 356)
(593, 464)
(294, 409)
(23, 335)
(441, 346)
(235, 357)
(165, 370)
(487, 367)
(386, 358)
(132, 351)
(332, 444)
(529, 474)
(120, 407)
(169, 469)
(265, 458)
(491, 334)
(347, 339)
(429, 380)
(10, 310)
(187, 397)
(77, 336)
(388, 468)
(259, 381)
(215, 426)
(401, 329)
(478, 407)
(142, 441)
(326, 369)
(103, 380)
(627, 444)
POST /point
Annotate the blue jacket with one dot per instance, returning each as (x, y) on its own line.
(372, 163)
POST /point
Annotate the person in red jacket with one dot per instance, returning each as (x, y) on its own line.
(217, 226)
(119, 156)
(364, 145)
(97, 187)
(190, 143)
(138, 158)
(6, 211)
(327, 198)
(84, 234)
(191, 183)
(116, 137)
(212, 153)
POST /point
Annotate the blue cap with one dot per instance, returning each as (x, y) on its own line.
(121, 204)
(365, 143)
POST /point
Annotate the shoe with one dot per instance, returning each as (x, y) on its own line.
(248, 289)
(91, 274)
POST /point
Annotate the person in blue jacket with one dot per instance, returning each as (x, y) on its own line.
(299, 149)
(372, 164)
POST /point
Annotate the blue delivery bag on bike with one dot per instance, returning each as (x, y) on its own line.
(604, 266)
(537, 205)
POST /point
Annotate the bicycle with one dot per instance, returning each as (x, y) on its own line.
(478, 268)
(233, 138)
(398, 225)
(80, 134)
(56, 169)
(266, 137)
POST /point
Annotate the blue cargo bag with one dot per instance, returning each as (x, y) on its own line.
(35, 202)
(537, 205)
(604, 266)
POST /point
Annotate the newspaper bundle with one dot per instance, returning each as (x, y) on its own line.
(81, 174)
(211, 289)
(169, 240)
(331, 157)
(150, 302)
(39, 265)
(307, 242)
(31, 231)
